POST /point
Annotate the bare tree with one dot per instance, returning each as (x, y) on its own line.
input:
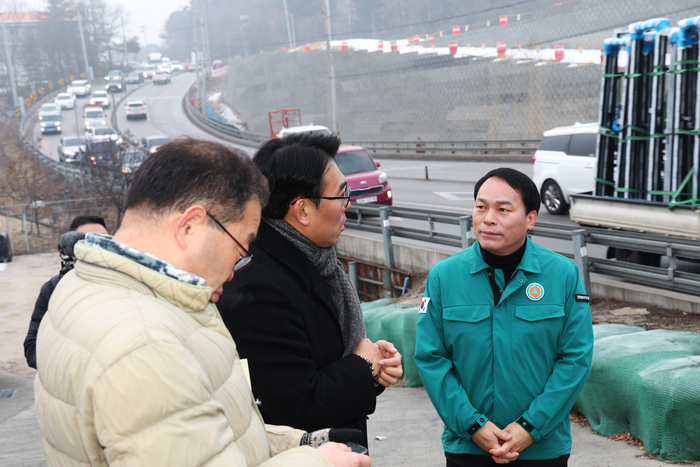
(110, 176)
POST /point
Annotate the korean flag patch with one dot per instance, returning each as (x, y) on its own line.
(424, 305)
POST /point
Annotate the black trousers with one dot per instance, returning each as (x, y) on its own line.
(470, 460)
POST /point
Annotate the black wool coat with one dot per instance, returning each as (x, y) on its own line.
(283, 320)
(40, 308)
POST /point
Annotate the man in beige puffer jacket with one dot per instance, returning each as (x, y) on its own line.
(135, 367)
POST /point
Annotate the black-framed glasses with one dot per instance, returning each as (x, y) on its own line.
(243, 261)
(346, 197)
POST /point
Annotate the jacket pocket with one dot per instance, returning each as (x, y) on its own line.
(538, 312)
(535, 334)
(466, 313)
(466, 327)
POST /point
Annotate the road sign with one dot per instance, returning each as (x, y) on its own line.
(72, 77)
(51, 85)
(27, 102)
(82, 75)
(60, 81)
(41, 91)
(32, 96)
(18, 111)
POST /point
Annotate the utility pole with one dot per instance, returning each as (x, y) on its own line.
(10, 68)
(143, 30)
(206, 57)
(82, 40)
(289, 29)
(126, 49)
(196, 48)
(244, 22)
(207, 50)
(327, 30)
(294, 32)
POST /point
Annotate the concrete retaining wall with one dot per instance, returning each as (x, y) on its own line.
(401, 97)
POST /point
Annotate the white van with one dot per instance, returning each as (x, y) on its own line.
(565, 164)
(319, 129)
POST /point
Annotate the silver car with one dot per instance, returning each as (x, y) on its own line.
(70, 147)
(100, 97)
(80, 88)
(65, 100)
(102, 133)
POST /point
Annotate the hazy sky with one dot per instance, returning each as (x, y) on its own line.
(148, 14)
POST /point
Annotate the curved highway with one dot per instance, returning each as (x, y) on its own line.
(449, 186)
(165, 116)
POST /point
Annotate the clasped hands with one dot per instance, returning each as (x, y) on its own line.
(385, 358)
(504, 445)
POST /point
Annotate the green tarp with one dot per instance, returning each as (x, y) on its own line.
(646, 383)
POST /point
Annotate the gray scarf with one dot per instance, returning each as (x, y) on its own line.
(344, 295)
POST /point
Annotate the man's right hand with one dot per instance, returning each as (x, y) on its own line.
(491, 437)
(340, 455)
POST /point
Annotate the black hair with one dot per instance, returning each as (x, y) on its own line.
(189, 171)
(517, 181)
(83, 220)
(294, 167)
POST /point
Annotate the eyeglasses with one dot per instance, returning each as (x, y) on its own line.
(243, 261)
(346, 197)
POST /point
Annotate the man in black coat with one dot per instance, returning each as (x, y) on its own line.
(84, 224)
(293, 312)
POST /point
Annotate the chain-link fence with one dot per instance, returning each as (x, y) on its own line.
(37, 227)
(406, 96)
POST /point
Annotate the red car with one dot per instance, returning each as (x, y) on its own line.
(368, 184)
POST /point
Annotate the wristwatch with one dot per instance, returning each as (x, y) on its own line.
(371, 367)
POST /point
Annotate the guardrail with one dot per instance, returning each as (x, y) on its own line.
(518, 150)
(227, 132)
(376, 219)
(450, 148)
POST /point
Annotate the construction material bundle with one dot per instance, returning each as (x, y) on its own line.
(649, 116)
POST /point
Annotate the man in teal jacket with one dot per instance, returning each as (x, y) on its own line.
(505, 338)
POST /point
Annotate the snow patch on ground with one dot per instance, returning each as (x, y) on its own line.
(214, 97)
(227, 114)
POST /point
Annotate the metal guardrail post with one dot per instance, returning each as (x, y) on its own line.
(386, 278)
(581, 257)
(465, 227)
(352, 272)
(26, 234)
(386, 234)
(388, 251)
(9, 233)
(672, 262)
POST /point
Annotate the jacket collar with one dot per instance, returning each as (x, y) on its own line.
(530, 261)
(94, 263)
(296, 262)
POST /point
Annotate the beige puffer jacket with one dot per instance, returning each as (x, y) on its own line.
(137, 369)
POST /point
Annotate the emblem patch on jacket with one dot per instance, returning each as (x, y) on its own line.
(534, 292)
(424, 305)
(582, 297)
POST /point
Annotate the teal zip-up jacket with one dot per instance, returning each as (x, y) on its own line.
(529, 356)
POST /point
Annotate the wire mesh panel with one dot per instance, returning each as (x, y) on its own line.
(422, 91)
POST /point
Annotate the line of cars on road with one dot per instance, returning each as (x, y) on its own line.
(99, 145)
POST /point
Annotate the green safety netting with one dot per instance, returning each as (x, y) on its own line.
(397, 324)
(646, 383)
